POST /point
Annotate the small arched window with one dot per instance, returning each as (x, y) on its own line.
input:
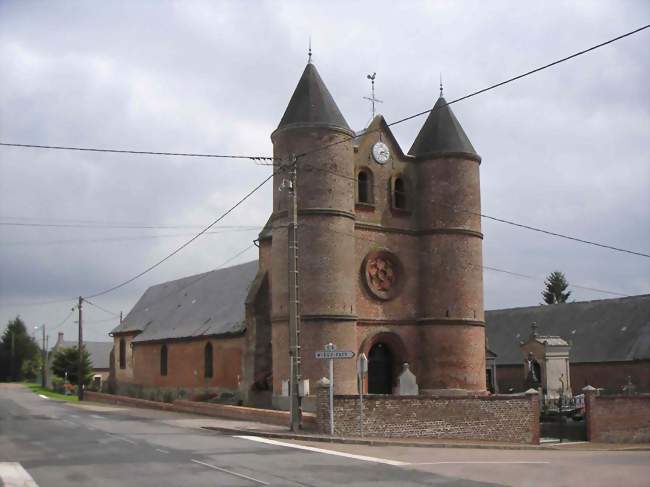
(163, 360)
(122, 353)
(364, 186)
(400, 200)
(207, 358)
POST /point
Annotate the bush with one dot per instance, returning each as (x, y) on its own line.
(168, 396)
(57, 384)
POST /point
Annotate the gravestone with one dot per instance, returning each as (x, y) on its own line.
(406, 383)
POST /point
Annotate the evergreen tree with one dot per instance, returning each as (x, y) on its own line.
(16, 348)
(67, 360)
(555, 291)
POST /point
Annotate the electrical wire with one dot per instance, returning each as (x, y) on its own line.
(489, 268)
(508, 222)
(128, 151)
(61, 323)
(347, 138)
(111, 226)
(86, 300)
(177, 250)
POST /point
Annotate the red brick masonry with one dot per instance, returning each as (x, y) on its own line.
(268, 416)
(504, 418)
(618, 419)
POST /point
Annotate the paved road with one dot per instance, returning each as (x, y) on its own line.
(61, 444)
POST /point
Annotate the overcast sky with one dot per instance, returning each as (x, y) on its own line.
(566, 149)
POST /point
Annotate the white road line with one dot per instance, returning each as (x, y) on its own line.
(479, 463)
(97, 416)
(69, 422)
(321, 450)
(230, 472)
(44, 397)
(162, 451)
(121, 438)
(13, 473)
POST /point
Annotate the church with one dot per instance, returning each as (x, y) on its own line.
(390, 265)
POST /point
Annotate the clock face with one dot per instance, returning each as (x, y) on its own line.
(380, 153)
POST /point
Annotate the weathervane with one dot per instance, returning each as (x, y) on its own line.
(309, 60)
(441, 84)
(372, 98)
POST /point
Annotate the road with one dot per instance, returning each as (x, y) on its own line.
(67, 444)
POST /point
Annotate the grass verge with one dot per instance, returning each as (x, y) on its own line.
(37, 389)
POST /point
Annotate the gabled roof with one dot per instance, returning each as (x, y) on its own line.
(206, 304)
(312, 105)
(100, 352)
(606, 330)
(441, 134)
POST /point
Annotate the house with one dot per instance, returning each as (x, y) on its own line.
(99, 352)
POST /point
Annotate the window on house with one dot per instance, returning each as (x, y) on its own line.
(399, 194)
(364, 186)
(122, 353)
(207, 356)
(163, 360)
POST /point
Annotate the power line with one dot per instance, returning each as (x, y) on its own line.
(502, 220)
(478, 92)
(170, 255)
(61, 323)
(111, 226)
(495, 269)
(117, 315)
(148, 153)
(116, 239)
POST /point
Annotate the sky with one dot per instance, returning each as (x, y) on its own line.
(566, 149)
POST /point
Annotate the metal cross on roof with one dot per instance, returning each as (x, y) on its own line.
(372, 98)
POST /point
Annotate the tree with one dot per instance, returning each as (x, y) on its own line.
(16, 348)
(556, 285)
(67, 360)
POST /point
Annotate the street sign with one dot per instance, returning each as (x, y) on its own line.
(323, 354)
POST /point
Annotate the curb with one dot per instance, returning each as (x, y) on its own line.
(368, 442)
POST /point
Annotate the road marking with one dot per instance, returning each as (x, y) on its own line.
(69, 422)
(13, 473)
(479, 463)
(231, 472)
(395, 463)
(121, 438)
(97, 416)
(44, 397)
(162, 451)
(571, 443)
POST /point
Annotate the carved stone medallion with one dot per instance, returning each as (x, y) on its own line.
(381, 273)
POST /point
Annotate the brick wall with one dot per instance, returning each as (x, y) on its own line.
(618, 419)
(267, 416)
(506, 418)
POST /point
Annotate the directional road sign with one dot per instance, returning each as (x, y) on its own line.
(323, 354)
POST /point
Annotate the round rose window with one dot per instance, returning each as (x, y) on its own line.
(382, 272)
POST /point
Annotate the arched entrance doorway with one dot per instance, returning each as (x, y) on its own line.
(380, 369)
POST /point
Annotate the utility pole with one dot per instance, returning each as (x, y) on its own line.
(294, 316)
(44, 367)
(13, 353)
(80, 379)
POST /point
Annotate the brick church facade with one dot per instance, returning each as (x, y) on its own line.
(390, 265)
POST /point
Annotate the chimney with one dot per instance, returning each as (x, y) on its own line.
(59, 341)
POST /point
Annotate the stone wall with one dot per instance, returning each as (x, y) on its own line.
(502, 418)
(617, 419)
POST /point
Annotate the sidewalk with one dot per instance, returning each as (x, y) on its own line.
(253, 428)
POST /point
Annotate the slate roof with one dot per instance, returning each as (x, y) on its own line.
(201, 305)
(441, 133)
(607, 330)
(312, 105)
(100, 352)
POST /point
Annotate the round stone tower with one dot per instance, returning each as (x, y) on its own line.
(313, 125)
(451, 323)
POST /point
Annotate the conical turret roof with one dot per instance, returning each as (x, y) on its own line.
(312, 105)
(441, 133)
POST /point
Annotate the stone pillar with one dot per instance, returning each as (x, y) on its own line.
(590, 399)
(533, 397)
(322, 406)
